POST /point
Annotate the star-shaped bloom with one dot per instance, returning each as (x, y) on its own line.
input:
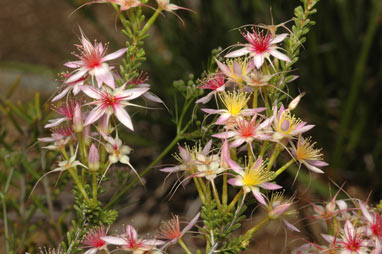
(112, 101)
(260, 46)
(252, 178)
(92, 61)
(93, 241)
(216, 83)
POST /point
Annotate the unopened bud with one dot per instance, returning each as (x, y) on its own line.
(86, 135)
(78, 125)
(93, 160)
(293, 104)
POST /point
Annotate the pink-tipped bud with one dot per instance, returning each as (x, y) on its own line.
(78, 124)
(293, 104)
(93, 160)
(278, 210)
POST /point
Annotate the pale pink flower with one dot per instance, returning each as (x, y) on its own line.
(373, 222)
(66, 87)
(93, 240)
(286, 125)
(165, 5)
(247, 131)
(352, 241)
(236, 71)
(252, 178)
(129, 241)
(110, 102)
(216, 83)
(117, 151)
(60, 137)
(92, 61)
(260, 47)
(306, 154)
(66, 110)
(170, 230)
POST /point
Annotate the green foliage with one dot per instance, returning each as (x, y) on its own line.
(219, 227)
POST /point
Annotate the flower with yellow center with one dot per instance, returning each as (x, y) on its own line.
(235, 103)
(306, 154)
(286, 125)
(236, 71)
(253, 177)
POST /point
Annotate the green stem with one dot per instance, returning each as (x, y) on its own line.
(144, 172)
(181, 243)
(216, 196)
(200, 191)
(274, 155)
(225, 189)
(150, 21)
(283, 168)
(94, 185)
(5, 218)
(234, 201)
(74, 175)
(249, 234)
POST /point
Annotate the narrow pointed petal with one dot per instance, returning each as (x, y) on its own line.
(290, 226)
(270, 186)
(235, 182)
(91, 92)
(123, 117)
(238, 52)
(365, 211)
(279, 38)
(95, 114)
(55, 122)
(76, 76)
(207, 147)
(258, 60)
(223, 68)
(313, 168)
(61, 95)
(227, 134)
(279, 55)
(103, 75)
(191, 224)
(259, 197)
(114, 240)
(114, 55)
(206, 98)
(133, 93)
(170, 169)
(74, 64)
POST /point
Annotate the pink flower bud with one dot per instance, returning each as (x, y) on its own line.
(86, 135)
(93, 160)
(293, 104)
(78, 125)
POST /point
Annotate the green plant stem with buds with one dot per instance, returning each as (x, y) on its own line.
(77, 181)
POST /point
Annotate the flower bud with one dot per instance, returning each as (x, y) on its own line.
(93, 160)
(86, 135)
(78, 125)
(293, 104)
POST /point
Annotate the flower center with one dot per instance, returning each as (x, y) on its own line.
(234, 102)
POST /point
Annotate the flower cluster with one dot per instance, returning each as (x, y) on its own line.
(353, 227)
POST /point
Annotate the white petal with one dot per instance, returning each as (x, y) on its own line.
(133, 93)
(123, 117)
(91, 92)
(279, 38)
(279, 55)
(114, 240)
(238, 52)
(258, 60)
(95, 114)
(114, 55)
(79, 74)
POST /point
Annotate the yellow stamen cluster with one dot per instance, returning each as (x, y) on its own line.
(287, 120)
(234, 101)
(306, 151)
(243, 70)
(255, 176)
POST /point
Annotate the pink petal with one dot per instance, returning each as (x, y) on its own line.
(279, 38)
(237, 142)
(365, 211)
(62, 94)
(133, 93)
(223, 118)
(95, 114)
(290, 226)
(91, 92)
(206, 98)
(224, 68)
(259, 197)
(76, 76)
(152, 97)
(114, 55)
(318, 163)
(236, 68)
(279, 55)
(349, 230)
(211, 111)
(114, 240)
(328, 238)
(103, 75)
(235, 182)
(207, 147)
(313, 168)
(227, 134)
(258, 60)
(225, 154)
(123, 116)
(270, 186)
(74, 64)
(170, 169)
(55, 122)
(131, 232)
(190, 225)
(238, 52)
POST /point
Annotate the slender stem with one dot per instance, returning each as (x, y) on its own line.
(181, 243)
(225, 189)
(234, 201)
(94, 185)
(144, 172)
(200, 191)
(274, 155)
(74, 175)
(151, 21)
(255, 94)
(283, 168)
(5, 219)
(216, 196)
(263, 148)
(248, 235)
